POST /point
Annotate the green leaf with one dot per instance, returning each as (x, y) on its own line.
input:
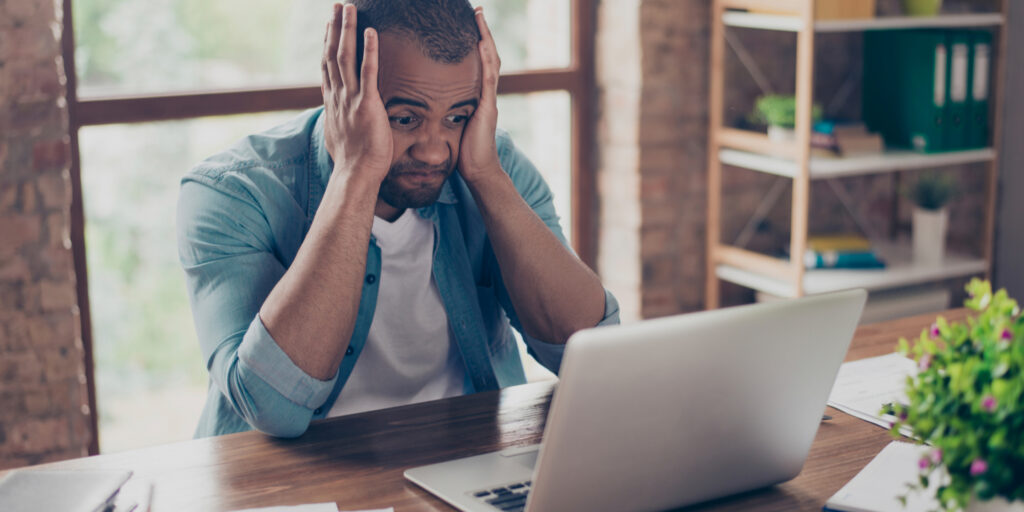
(997, 440)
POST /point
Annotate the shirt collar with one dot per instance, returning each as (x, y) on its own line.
(325, 165)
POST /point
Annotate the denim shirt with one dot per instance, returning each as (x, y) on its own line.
(242, 215)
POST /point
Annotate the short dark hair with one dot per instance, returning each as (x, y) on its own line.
(445, 30)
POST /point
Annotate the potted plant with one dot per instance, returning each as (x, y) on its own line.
(922, 7)
(778, 112)
(930, 194)
(967, 402)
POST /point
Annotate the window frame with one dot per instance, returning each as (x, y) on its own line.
(577, 80)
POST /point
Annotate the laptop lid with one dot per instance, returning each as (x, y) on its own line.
(673, 411)
(679, 410)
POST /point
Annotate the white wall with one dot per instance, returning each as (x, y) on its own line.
(1009, 255)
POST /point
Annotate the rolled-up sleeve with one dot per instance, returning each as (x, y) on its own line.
(535, 191)
(550, 354)
(227, 249)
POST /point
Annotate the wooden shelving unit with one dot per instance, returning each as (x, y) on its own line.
(754, 151)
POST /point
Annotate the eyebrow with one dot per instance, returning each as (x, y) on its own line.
(416, 103)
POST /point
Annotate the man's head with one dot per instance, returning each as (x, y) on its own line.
(429, 81)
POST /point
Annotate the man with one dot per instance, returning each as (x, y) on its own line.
(374, 252)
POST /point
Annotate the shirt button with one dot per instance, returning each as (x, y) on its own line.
(317, 411)
(370, 279)
(349, 351)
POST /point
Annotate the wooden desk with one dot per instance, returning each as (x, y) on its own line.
(357, 461)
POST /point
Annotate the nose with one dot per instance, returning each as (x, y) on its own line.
(431, 148)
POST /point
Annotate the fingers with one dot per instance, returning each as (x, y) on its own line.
(329, 67)
(370, 61)
(325, 76)
(491, 63)
(347, 50)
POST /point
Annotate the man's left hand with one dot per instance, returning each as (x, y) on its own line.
(478, 153)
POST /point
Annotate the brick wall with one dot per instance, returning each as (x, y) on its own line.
(652, 58)
(618, 134)
(43, 411)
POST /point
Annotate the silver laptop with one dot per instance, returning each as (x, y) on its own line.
(669, 412)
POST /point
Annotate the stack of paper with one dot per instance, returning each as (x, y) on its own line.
(863, 387)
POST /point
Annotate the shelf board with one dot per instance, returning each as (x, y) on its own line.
(793, 23)
(826, 168)
(899, 273)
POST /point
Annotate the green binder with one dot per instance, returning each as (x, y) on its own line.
(924, 97)
(958, 90)
(981, 58)
(905, 87)
(880, 86)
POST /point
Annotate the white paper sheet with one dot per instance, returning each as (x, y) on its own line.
(312, 507)
(877, 487)
(863, 387)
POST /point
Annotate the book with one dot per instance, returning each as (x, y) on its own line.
(838, 242)
(856, 145)
(846, 138)
(842, 259)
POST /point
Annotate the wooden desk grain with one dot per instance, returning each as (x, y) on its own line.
(357, 461)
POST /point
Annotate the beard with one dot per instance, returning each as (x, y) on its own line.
(401, 189)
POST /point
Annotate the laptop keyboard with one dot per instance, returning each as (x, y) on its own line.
(509, 498)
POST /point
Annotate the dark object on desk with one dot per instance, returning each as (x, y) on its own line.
(66, 491)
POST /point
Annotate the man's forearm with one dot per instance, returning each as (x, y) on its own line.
(553, 292)
(312, 310)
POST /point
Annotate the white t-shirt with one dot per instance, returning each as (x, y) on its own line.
(409, 354)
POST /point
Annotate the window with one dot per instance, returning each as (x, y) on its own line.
(156, 86)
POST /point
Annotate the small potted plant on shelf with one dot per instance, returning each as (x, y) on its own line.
(778, 112)
(922, 7)
(967, 402)
(931, 194)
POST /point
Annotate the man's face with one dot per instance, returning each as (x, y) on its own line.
(428, 105)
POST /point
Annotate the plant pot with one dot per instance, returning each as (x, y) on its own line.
(997, 504)
(781, 133)
(929, 230)
(922, 7)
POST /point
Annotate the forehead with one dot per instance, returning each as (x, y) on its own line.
(406, 72)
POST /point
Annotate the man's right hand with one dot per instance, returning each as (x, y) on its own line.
(356, 130)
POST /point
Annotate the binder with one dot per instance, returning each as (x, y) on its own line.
(925, 110)
(905, 87)
(981, 59)
(880, 86)
(958, 90)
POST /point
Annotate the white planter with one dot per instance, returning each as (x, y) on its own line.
(929, 228)
(781, 134)
(997, 504)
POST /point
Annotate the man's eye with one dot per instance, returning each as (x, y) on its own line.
(458, 118)
(403, 121)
